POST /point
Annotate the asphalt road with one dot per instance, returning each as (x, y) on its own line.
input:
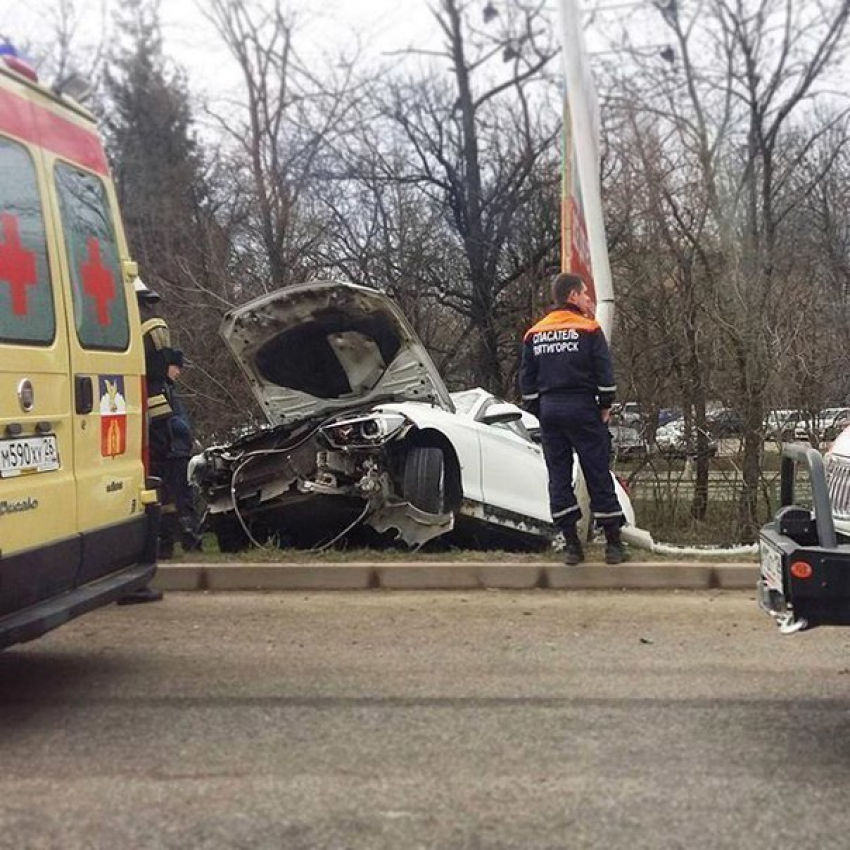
(427, 720)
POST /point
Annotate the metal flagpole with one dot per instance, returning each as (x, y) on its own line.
(585, 224)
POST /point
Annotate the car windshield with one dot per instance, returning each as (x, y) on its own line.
(465, 400)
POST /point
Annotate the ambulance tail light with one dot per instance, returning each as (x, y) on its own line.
(10, 57)
(146, 449)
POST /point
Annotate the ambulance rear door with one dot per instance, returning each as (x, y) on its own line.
(106, 352)
(40, 551)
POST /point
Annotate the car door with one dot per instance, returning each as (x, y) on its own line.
(39, 549)
(106, 366)
(513, 470)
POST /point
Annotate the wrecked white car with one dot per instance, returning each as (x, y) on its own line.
(363, 440)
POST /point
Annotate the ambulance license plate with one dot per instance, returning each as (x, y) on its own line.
(27, 455)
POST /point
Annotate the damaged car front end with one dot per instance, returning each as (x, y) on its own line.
(315, 482)
(321, 359)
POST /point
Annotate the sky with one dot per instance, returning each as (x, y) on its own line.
(380, 26)
(383, 26)
(328, 27)
(383, 29)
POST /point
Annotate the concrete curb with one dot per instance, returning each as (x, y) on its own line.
(468, 575)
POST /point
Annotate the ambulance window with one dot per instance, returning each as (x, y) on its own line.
(26, 298)
(100, 307)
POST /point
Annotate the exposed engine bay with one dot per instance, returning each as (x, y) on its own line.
(261, 485)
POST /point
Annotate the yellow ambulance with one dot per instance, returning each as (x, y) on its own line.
(78, 516)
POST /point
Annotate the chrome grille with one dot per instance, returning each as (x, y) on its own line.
(838, 482)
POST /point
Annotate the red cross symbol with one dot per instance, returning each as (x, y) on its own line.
(17, 265)
(98, 282)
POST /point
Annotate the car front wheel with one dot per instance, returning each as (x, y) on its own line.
(424, 483)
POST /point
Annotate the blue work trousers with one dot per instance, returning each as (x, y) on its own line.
(572, 423)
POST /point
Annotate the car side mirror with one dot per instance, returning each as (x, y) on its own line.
(501, 412)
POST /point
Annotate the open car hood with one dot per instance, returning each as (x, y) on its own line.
(326, 347)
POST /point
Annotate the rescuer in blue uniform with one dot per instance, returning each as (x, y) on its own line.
(169, 431)
(567, 380)
(168, 453)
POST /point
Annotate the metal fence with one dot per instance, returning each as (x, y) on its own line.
(663, 500)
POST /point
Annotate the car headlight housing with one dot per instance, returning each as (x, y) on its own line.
(364, 432)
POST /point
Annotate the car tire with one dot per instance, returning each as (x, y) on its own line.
(424, 482)
(231, 536)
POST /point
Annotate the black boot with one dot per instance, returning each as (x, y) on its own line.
(614, 551)
(190, 540)
(573, 553)
(168, 531)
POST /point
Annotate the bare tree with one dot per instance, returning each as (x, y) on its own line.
(387, 234)
(481, 147)
(177, 227)
(289, 120)
(735, 117)
(69, 46)
(813, 352)
(662, 290)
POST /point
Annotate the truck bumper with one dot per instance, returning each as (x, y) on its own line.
(803, 586)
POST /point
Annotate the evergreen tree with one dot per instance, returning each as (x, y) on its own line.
(174, 235)
(155, 159)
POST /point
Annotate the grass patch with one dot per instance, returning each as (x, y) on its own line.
(273, 555)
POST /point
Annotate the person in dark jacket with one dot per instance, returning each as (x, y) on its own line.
(178, 452)
(162, 364)
(156, 339)
(160, 359)
(567, 380)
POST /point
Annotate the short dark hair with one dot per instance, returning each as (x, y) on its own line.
(563, 284)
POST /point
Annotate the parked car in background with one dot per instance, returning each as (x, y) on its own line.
(839, 424)
(724, 422)
(673, 442)
(668, 414)
(363, 436)
(811, 428)
(628, 413)
(779, 424)
(627, 443)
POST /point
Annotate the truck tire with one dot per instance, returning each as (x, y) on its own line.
(424, 483)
